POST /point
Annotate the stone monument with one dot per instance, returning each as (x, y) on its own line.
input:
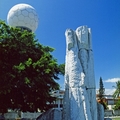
(80, 91)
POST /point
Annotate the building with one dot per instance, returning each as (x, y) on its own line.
(58, 103)
(59, 94)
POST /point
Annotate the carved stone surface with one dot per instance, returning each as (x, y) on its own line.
(100, 111)
(80, 96)
(52, 114)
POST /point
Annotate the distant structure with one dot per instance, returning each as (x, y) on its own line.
(80, 90)
(24, 16)
(58, 103)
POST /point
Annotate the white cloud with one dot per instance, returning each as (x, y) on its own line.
(112, 80)
(107, 91)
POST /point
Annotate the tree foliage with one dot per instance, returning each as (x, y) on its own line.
(117, 105)
(117, 91)
(116, 95)
(27, 71)
(101, 89)
(101, 99)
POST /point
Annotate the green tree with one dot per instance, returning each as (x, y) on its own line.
(101, 94)
(27, 71)
(101, 89)
(116, 94)
(117, 105)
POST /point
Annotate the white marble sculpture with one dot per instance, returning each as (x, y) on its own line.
(80, 96)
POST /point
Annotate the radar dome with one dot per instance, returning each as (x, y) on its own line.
(23, 15)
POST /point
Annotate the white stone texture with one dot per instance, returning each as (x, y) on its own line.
(100, 111)
(28, 115)
(11, 115)
(52, 114)
(80, 97)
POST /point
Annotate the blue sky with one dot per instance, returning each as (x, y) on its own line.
(102, 16)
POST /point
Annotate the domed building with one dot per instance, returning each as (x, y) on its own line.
(24, 16)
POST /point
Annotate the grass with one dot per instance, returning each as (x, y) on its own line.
(116, 118)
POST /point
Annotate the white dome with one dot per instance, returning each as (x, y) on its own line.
(23, 15)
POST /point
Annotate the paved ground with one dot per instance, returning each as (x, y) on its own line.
(114, 118)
